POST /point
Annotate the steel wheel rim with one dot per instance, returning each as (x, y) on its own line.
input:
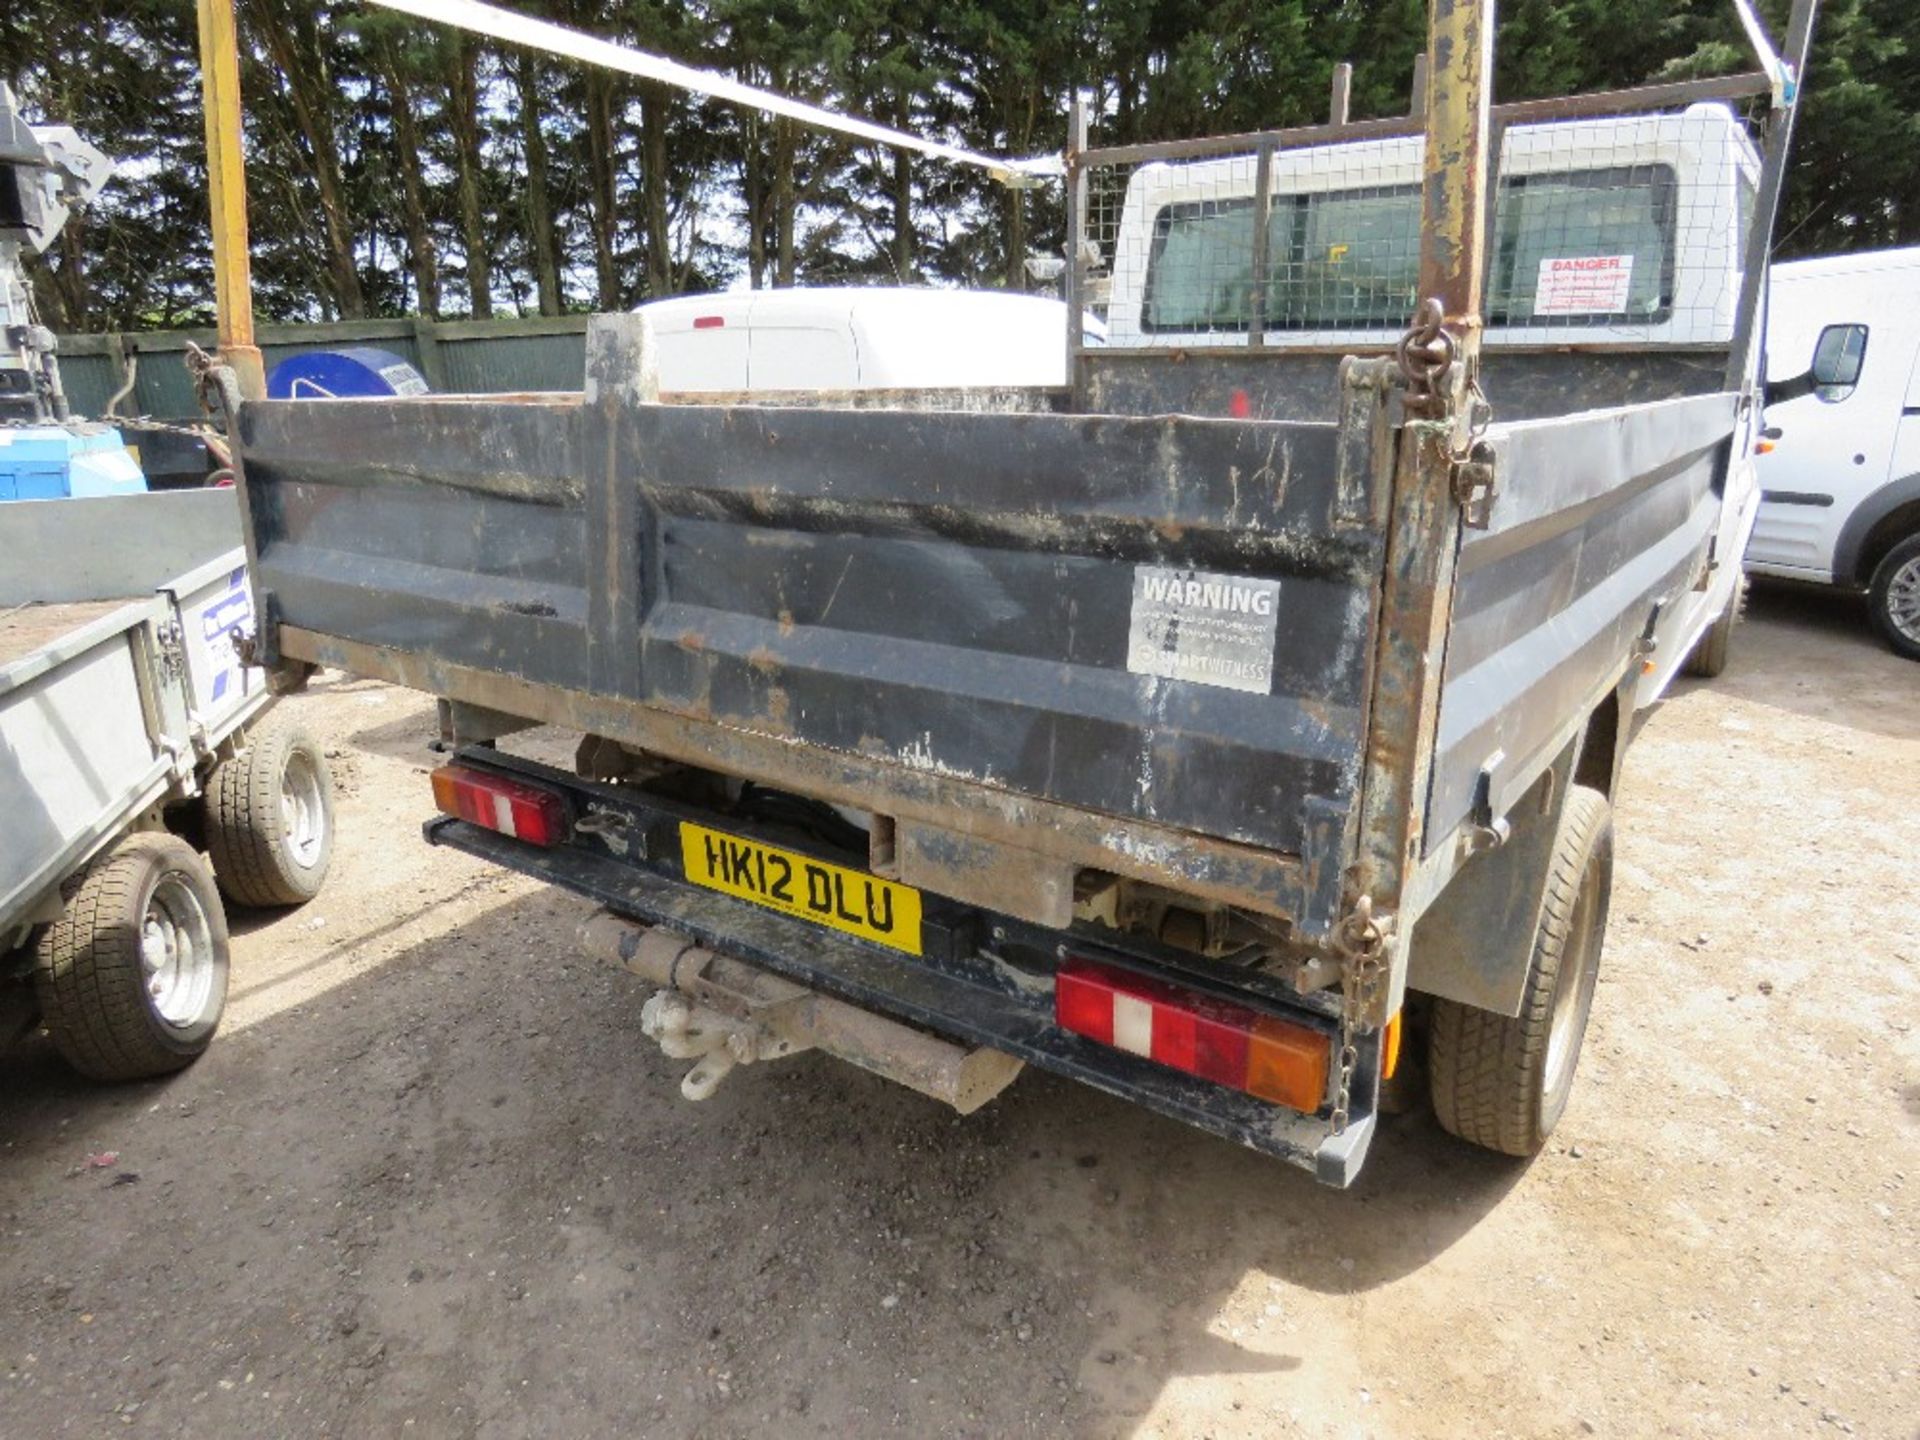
(176, 952)
(1903, 600)
(303, 814)
(1573, 986)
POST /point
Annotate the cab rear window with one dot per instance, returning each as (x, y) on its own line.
(1589, 247)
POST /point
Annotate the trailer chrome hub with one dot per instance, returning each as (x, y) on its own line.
(303, 810)
(177, 952)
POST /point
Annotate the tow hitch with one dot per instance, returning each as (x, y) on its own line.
(722, 1013)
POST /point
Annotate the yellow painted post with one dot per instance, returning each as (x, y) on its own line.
(227, 192)
(1454, 210)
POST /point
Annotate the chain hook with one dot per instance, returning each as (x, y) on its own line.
(1426, 355)
(1361, 939)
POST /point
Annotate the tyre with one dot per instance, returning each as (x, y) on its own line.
(1501, 1082)
(268, 812)
(1709, 657)
(132, 977)
(1895, 598)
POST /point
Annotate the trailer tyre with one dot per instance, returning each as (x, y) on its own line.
(1895, 598)
(269, 818)
(1709, 656)
(132, 977)
(1501, 1082)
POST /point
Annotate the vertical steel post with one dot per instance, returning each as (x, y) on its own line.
(1341, 104)
(1075, 284)
(227, 192)
(1454, 206)
(1262, 242)
(1766, 209)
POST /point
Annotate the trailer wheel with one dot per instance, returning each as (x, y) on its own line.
(1895, 598)
(1501, 1082)
(132, 977)
(1709, 656)
(269, 818)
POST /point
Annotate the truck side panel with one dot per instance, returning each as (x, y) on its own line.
(1596, 541)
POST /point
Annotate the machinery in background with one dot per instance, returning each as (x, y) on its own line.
(45, 454)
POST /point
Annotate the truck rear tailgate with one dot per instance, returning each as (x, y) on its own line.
(1158, 620)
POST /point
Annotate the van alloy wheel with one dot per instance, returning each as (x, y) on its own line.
(1903, 600)
(1893, 597)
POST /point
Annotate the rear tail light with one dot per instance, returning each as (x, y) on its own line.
(512, 807)
(1213, 1039)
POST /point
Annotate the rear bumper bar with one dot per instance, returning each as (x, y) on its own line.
(1002, 998)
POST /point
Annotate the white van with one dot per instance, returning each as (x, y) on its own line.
(1840, 485)
(859, 338)
(1624, 231)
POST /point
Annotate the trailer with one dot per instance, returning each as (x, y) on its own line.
(1233, 729)
(134, 735)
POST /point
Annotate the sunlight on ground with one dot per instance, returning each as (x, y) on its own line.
(268, 982)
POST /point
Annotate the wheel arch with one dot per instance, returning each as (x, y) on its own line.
(1878, 523)
(1474, 943)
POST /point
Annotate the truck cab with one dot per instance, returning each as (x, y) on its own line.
(1840, 503)
(1620, 232)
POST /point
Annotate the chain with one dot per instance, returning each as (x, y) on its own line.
(1426, 354)
(1362, 940)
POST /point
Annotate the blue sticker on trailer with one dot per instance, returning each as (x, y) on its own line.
(233, 608)
(222, 624)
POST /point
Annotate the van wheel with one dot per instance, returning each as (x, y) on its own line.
(1709, 657)
(1895, 597)
(132, 978)
(269, 818)
(1502, 1082)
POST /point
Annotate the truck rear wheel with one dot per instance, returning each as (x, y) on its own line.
(269, 818)
(1709, 656)
(1502, 1082)
(1895, 597)
(132, 978)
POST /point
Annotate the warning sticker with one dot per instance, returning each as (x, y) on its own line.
(1583, 285)
(1211, 629)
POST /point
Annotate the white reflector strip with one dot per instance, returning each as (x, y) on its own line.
(503, 816)
(1133, 1024)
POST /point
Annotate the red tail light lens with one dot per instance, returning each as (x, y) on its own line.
(1213, 1039)
(511, 807)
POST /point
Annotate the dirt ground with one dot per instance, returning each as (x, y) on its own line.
(431, 1180)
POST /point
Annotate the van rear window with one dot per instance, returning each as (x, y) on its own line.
(1569, 248)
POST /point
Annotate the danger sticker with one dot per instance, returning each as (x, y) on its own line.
(1583, 285)
(1210, 629)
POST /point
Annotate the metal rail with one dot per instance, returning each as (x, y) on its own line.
(1766, 208)
(1667, 96)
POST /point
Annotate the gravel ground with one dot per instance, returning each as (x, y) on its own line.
(432, 1180)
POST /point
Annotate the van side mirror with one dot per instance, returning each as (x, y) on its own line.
(1838, 357)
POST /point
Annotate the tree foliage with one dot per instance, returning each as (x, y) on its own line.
(394, 167)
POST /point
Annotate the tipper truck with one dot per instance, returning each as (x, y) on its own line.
(1234, 729)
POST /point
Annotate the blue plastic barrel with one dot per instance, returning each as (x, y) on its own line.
(359, 372)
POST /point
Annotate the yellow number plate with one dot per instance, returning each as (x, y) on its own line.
(850, 901)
